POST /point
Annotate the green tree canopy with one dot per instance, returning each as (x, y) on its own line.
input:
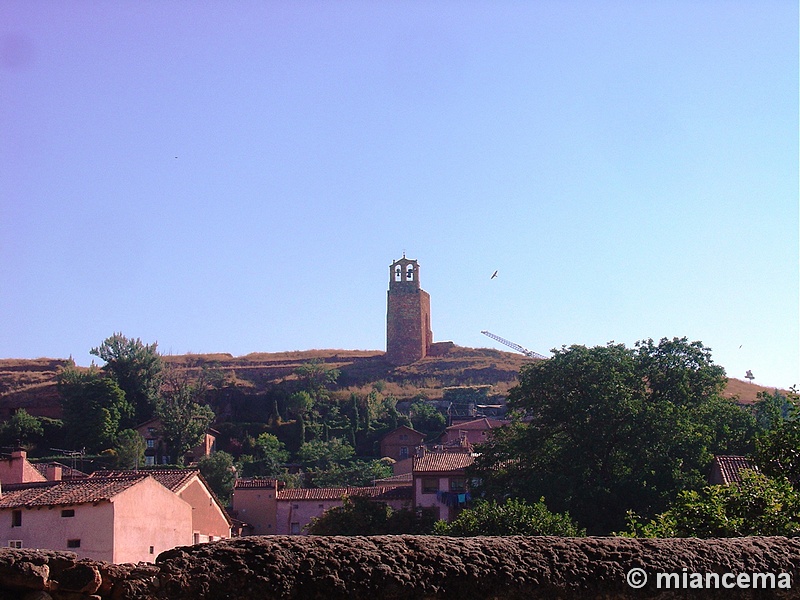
(355, 473)
(361, 516)
(778, 447)
(183, 415)
(610, 428)
(425, 418)
(137, 368)
(758, 505)
(93, 407)
(513, 517)
(269, 458)
(129, 449)
(21, 429)
(321, 454)
(220, 474)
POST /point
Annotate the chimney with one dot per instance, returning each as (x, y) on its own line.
(18, 459)
(54, 472)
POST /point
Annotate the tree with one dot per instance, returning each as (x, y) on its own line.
(758, 505)
(137, 368)
(129, 449)
(220, 474)
(770, 410)
(356, 473)
(426, 419)
(359, 515)
(93, 407)
(183, 415)
(610, 428)
(21, 429)
(321, 454)
(299, 405)
(514, 517)
(269, 459)
(778, 447)
(315, 378)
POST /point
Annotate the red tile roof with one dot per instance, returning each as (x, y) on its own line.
(730, 467)
(403, 479)
(66, 471)
(56, 493)
(442, 461)
(255, 484)
(477, 425)
(376, 493)
(172, 479)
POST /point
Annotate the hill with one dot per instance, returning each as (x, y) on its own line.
(245, 380)
(31, 384)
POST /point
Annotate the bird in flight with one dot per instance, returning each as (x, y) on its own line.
(493, 275)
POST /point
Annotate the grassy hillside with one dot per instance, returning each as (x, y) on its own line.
(31, 384)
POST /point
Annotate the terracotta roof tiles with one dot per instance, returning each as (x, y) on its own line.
(172, 479)
(376, 493)
(255, 484)
(56, 493)
(730, 467)
(442, 461)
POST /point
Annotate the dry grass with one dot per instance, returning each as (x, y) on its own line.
(31, 383)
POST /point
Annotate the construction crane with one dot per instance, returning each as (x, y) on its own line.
(516, 347)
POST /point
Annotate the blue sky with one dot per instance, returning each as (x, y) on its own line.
(238, 176)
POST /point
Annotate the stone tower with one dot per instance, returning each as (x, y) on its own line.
(408, 314)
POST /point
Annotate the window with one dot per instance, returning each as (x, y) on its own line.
(403, 437)
(295, 506)
(152, 550)
(150, 461)
(295, 529)
(16, 518)
(321, 506)
(403, 452)
(68, 512)
(151, 443)
(458, 484)
(430, 485)
(151, 430)
(73, 543)
(15, 543)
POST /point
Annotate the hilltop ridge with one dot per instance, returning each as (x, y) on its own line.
(31, 383)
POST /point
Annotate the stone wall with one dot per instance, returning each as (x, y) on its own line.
(407, 567)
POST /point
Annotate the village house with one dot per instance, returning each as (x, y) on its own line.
(474, 432)
(109, 518)
(254, 504)
(17, 469)
(295, 508)
(440, 482)
(266, 507)
(400, 443)
(210, 521)
(157, 453)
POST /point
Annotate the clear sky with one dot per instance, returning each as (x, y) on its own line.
(238, 176)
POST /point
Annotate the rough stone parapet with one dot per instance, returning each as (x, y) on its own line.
(407, 567)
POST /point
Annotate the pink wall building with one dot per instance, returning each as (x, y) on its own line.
(210, 521)
(126, 519)
(474, 432)
(254, 504)
(17, 469)
(440, 482)
(296, 507)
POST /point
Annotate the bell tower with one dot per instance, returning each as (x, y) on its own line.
(408, 314)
